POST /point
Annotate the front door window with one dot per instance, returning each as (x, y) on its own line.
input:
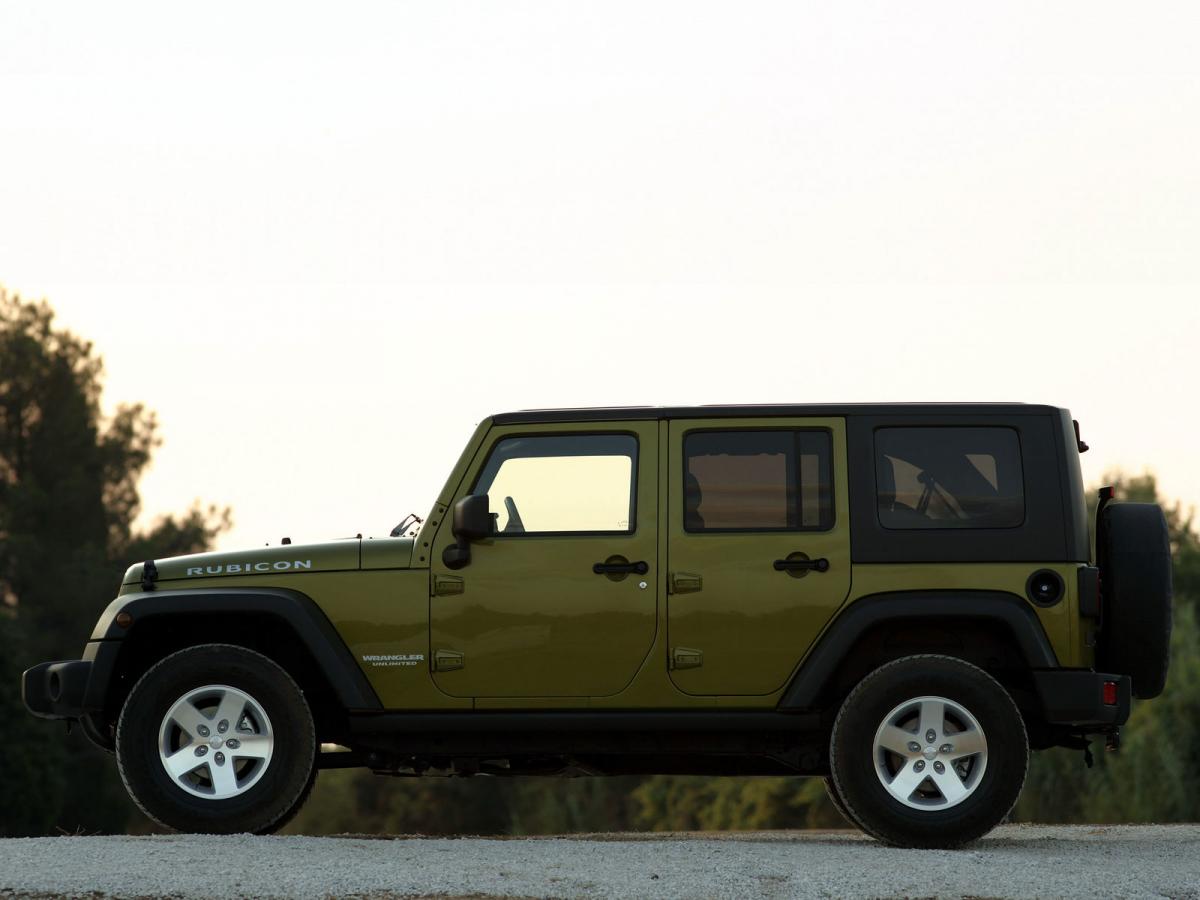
(561, 484)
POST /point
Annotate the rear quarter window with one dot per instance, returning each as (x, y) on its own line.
(949, 478)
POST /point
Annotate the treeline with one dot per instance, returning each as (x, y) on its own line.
(1155, 776)
(68, 500)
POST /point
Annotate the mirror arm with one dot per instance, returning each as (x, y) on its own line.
(457, 555)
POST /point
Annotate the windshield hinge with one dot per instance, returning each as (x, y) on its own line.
(149, 575)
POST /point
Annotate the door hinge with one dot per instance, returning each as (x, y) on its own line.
(444, 585)
(686, 658)
(447, 660)
(685, 583)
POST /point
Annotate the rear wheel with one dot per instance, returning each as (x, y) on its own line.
(217, 739)
(928, 751)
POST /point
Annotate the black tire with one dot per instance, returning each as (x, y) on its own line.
(298, 805)
(1135, 574)
(286, 777)
(838, 803)
(853, 760)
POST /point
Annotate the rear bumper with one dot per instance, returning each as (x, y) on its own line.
(1076, 698)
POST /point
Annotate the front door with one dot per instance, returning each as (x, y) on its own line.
(561, 600)
(758, 548)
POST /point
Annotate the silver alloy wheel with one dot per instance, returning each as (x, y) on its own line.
(215, 742)
(930, 753)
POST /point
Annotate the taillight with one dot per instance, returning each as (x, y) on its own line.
(1110, 693)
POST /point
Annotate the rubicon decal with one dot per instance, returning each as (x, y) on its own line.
(279, 565)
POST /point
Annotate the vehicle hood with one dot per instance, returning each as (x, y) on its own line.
(283, 559)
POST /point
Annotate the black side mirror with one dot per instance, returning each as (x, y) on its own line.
(472, 522)
(473, 518)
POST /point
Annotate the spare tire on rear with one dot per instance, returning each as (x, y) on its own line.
(1134, 553)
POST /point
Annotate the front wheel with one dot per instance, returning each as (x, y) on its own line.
(837, 802)
(217, 739)
(928, 751)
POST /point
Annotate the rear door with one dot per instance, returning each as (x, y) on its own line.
(758, 548)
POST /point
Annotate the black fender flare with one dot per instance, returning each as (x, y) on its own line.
(294, 609)
(1005, 610)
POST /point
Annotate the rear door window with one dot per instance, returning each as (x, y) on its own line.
(768, 480)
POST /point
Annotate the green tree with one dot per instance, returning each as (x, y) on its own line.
(34, 778)
(1155, 777)
(354, 801)
(691, 803)
(1156, 774)
(68, 503)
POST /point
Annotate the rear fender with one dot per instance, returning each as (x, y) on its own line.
(1006, 611)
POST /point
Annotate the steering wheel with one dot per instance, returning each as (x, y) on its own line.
(514, 525)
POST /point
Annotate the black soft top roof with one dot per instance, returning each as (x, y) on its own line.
(625, 413)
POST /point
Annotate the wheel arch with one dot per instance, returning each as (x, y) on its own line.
(284, 625)
(995, 630)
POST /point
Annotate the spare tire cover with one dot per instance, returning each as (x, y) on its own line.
(1135, 578)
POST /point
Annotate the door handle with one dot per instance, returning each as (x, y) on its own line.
(621, 568)
(797, 562)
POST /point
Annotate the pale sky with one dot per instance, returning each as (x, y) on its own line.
(324, 241)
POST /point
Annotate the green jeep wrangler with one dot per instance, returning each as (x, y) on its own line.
(900, 599)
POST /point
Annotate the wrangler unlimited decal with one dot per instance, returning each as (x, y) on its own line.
(393, 659)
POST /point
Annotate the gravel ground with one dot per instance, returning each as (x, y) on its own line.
(1014, 861)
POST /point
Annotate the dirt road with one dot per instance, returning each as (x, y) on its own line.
(1015, 861)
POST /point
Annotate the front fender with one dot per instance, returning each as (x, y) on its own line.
(299, 613)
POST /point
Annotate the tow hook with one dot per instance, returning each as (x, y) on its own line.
(1112, 742)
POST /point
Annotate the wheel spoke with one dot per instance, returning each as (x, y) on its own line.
(967, 743)
(231, 707)
(187, 717)
(182, 761)
(256, 746)
(223, 778)
(906, 781)
(896, 740)
(950, 785)
(933, 717)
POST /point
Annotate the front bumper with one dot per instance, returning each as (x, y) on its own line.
(56, 690)
(71, 689)
(1076, 698)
